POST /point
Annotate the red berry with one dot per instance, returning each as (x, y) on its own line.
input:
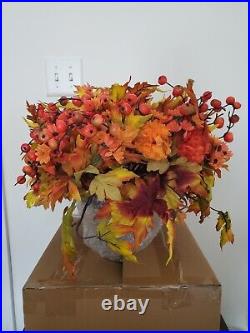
(219, 122)
(25, 147)
(53, 144)
(125, 108)
(89, 106)
(131, 99)
(162, 79)
(230, 100)
(228, 137)
(63, 116)
(215, 103)
(61, 125)
(177, 91)
(20, 180)
(78, 118)
(144, 108)
(89, 130)
(76, 101)
(36, 187)
(31, 155)
(52, 107)
(203, 116)
(234, 118)
(237, 105)
(206, 96)
(97, 120)
(28, 170)
(203, 107)
(63, 101)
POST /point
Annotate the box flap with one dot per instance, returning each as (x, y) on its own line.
(187, 267)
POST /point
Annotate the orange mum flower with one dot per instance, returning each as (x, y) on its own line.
(196, 146)
(153, 141)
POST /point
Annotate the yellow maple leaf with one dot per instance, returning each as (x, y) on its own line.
(31, 199)
(111, 237)
(106, 186)
(169, 239)
(172, 198)
(117, 92)
(226, 236)
(224, 224)
(136, 121)
(68, 247)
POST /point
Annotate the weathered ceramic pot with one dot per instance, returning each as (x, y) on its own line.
(88, 227)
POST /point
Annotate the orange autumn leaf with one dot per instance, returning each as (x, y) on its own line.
(43, 153)
(73, 191)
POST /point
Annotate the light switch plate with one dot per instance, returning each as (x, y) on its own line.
(62, 74)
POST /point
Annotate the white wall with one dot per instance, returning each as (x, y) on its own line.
(204, 41)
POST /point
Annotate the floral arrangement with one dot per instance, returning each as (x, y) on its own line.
(137, 155)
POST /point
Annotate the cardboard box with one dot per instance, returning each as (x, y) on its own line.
(185, 295)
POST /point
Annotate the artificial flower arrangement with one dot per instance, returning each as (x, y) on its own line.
(136, 155)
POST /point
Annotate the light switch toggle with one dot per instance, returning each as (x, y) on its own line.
(63, 73)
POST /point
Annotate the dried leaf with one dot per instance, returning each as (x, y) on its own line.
(68, 247)
(160, 166)
(106, 186)
(169, 239)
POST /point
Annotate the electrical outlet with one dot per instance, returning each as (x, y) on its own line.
(63, 73)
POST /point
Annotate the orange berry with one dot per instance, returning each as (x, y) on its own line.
(131, 99)
(234, 118)
(228, 137)
(97, 120)
(230, 100)
(63, 100)
(203, 107)
(25, 147)
(237, 105)
(177, 91)
(219, 122)
(162, 79)
(144, 108)
(206, 96)
(28, 170)
(215, 103)
(20, 180)
(125, 108)
(76, 101)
